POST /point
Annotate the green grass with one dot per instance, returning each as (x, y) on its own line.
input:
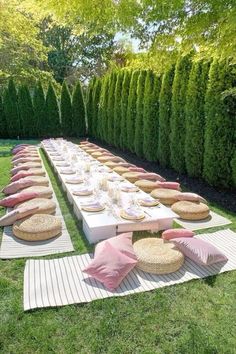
(195, 317)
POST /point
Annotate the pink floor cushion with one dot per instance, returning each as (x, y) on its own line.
(14, 215)
(11, 201)
(136, 169)
(25, 159)
(21, 174)
(199, 251)
(17, 186)
(122, 243)
(176, 233)
(23, 212)
(25, 154)
(151, 176)
(169, 185)
(192, 197)
(25, 166)
(110, 266)
(23, 149)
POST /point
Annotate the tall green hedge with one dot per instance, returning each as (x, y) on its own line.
(66, 112)
(11, 110)
(95, 106)
(124, 106)
(78, 111)
(3, 121)
(117, 108)
(132, 110)
(40, 115)
(164, 117)
(195, 118)
(89, 106)
(26, 113)
(102, 108)
(138, 138)
(220, 127)
(110, 108)
(177, 137)
(52, 124)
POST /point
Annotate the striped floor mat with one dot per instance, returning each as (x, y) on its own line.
(214, 220)
(59, 282)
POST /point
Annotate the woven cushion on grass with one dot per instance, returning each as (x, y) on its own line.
(25, 166)
(42, 191)
(131, 176)
(191, 210)
(37, 171)
(90, 151)
(45, 206)
(112, 164)
(145, 185)
(165, 196)
(120, 169)
(157, 256)
(25, 159)
(38, 180)
(97, 154)
(37, 227)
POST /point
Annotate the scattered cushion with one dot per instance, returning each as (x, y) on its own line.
(112, 164)
(157, 256)
(14, 199)
(176, 233)
(151, 176)
(191, 210)
(169, 185)
(25, 159)
(37, 171)
(192, 197)
(24, 154)
(17, 185)
(97, 154)
(131, 176)
(37, 227)
(42, 191)
(110, 266)
(120, 169)
(136, 169)
(38, 181)
(16, 214)
(199, 251)
(146, 185)
(165, 196)
(45, 206)
(25, 166)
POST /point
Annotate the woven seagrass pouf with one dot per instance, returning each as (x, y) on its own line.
(165, 196)
(30, 165)
(191, 210)
(43, 192)
(131, 176)
(37, 171)
(38, 227)
(97, 154)
(120, 169)
(90, 151)
(38, 180)
(45, 206)
(145, 185)
(157, 256)
(112, 164)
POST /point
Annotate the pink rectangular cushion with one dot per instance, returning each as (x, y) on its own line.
(168, 185)
(199, 251)
(176, 233)
(17, 185)
(136, 169)
(25, 159)
(11, 201)
(110, 266)
(21, 174)
(192, 197)
(14, 215)
(151, 176)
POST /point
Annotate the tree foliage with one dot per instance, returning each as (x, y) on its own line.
(78, 111)
(40, 115)
(66, 112)
(52, 126)
(95, 106)
(89, 106)
(124, 107)
(26, 113)
(11, 110)
(110, 107)
(3, 121)
(138, 138)
(117, 108)
(132, 110)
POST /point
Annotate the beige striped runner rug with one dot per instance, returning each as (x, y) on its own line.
(12, 247)
(58, 282)
(214, 220)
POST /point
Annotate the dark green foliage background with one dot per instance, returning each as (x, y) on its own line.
(66, 111)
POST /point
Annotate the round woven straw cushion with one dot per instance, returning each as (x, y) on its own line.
(166, 196)
(131, 176)
(90, 151)
(104, 158)
(38, 180)
(145, 185)
(120, 170)
(112, 164)
(43, 192)
(37, 227)
(97, 154)
(157, 256)
(45, 206)
(37, 171)
(191, 210)
(31, 164)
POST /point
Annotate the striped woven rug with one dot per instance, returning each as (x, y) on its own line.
(59, 282)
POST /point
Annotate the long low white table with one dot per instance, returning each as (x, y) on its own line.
(105, 224)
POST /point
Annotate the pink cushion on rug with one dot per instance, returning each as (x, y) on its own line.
(24, 154)
(9, 218)
(21, 174)
(11, 201)
(110, 266)
(26, 211)
(199, 251)
(169, 185)
(17, 185)
(192, 197)
(23, 149)
(122, 243)
(151, 176)
(24, 166)
(25, 159)
(176, 233)
(136, 169)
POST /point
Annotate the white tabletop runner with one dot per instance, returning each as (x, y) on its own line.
(59, 282)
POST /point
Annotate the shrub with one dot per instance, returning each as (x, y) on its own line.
(138, 139)
(89, 106)
(220, 127)
(102, 111)
(177, 137)
(117, 108)
(95, 106)
(11, 110)
(233, 166)
(195, 118)
(124, 105)
(52, 126)
(110, 107)
(3, 121)
(26, 113)
(164, 117)
(131, 110)
(78, 112)
(40, 116)
(66, 111)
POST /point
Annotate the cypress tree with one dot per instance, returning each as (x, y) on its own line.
(164, 117)
(117, 108)
(66, 111)
(40, 117)
(151, 116)
(3, 122)
(26, 113)
(52, 126)
(124, 106)
(78, 110)
(177, 137)
(138, 138)
(89, 106)
(131, 110)
(11, 110)
(233, 166)
(195, 118)
(220, 127)
(110, 107)
(95, 106)
(102, 111)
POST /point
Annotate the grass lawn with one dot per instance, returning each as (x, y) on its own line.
(195, 317)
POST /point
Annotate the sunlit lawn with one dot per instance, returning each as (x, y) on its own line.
(194, 317)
